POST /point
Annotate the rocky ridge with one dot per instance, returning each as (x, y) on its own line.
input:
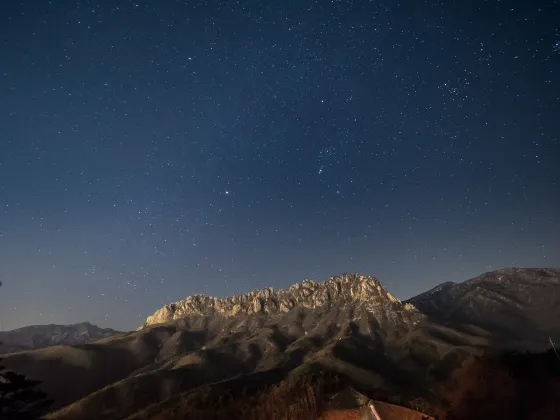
(349, 325)
(308, 294)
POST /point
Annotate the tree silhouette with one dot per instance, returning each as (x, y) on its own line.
(20, 399)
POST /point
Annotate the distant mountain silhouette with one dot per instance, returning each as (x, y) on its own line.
(514, 304)
(39, 336)
(349, 326)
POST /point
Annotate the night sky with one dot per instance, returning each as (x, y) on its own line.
(150, 150)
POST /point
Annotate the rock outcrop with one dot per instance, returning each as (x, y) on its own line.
(349, 325)
(308, 294)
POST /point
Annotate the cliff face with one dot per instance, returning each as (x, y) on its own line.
(346, 288)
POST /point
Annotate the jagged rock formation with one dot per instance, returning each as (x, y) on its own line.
(513, 302)
(39, 336)
(349, 325)
(308, 294)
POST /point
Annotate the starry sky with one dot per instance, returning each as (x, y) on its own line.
(150, 150)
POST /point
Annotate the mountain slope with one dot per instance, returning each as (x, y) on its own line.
(326, 323)
(38, 336)
(349, 325)
(517, 304)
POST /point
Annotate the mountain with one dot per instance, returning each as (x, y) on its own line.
(514, 304)
(349, 324)
(195, 352)
(347, 288)
(38, 336)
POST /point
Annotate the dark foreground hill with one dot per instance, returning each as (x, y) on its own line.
(506, 385)
(349, 327)
(39, 336)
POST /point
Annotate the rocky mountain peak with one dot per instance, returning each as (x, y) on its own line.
(309, 294)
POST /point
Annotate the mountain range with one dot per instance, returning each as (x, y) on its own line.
(198, 349)
(39, 336)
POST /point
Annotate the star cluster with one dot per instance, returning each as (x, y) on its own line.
(152, 150)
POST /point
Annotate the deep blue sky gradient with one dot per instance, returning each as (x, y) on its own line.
(153, 150)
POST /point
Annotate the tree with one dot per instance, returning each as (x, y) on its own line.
(20, 399)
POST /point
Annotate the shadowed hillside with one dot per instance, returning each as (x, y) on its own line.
(349, 327)
(514, 304)
(511, 385)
